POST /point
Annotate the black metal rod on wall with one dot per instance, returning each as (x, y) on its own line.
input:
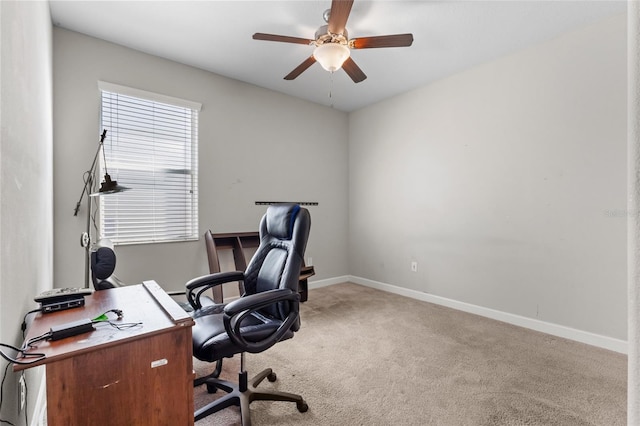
(302, 203)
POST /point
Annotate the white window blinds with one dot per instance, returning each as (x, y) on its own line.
(151, 147)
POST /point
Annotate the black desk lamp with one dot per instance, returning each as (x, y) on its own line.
(107, 186)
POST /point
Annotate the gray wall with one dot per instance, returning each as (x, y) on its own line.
(506, 183)
(26, 201)
(255, 144)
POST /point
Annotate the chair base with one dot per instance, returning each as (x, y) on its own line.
(243, 393)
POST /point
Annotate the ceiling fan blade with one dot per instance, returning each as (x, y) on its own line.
(338, 16)
(353, 70)
(283, 39)
(396, 40)
(300, 68)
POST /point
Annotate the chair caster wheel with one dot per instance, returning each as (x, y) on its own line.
(272, 377)
(211, 388)
(302, 407)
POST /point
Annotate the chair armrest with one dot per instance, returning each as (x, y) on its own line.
(239, 309)
(199, 285)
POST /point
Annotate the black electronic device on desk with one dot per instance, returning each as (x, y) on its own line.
(59, 299)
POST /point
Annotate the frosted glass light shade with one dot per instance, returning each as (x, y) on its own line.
(331, 55)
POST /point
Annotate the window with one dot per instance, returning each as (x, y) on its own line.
(151, 147)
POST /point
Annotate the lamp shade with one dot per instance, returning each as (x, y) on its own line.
(331, 55)
(109, 186)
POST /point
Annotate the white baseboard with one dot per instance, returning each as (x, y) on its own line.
(329, 281)
(592, 339)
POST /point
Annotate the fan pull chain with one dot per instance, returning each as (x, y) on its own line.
(331, 88)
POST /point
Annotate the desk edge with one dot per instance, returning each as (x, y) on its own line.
(178, 315)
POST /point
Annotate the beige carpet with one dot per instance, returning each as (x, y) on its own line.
(366, 357)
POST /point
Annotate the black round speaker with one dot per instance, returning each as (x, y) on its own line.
(103, 263)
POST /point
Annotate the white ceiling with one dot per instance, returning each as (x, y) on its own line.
(215, 35)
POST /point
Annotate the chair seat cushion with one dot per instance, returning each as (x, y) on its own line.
(210, 340)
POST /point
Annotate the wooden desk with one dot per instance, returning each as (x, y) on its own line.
(237, 242)
(136, 376)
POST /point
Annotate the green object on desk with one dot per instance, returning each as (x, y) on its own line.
(100, 318)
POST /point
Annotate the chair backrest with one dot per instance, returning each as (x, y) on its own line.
(284, 230)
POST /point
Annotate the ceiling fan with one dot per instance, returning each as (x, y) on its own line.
(332, 43)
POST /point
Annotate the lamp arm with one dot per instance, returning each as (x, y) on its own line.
(89, 180)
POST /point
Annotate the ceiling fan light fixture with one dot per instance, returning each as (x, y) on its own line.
(331, 55)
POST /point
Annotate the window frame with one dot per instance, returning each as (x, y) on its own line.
(190, 217)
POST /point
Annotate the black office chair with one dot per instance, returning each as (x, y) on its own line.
(266, 314)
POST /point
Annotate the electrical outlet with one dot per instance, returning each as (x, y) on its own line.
(23, 392)
(414, 266)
